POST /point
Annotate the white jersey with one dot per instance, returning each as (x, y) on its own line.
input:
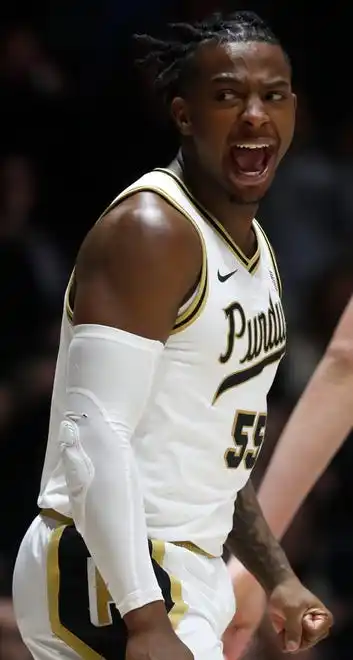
(204, 424)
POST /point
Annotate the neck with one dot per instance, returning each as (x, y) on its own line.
(236, 218)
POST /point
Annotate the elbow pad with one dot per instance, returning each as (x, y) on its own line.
(110, 374)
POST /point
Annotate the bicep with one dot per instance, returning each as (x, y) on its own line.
(134, 272)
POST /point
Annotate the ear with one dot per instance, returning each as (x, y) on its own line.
(181, 115)
(295, 102)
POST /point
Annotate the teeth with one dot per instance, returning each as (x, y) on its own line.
(251, 146)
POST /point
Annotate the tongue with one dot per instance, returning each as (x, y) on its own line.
(249, 160)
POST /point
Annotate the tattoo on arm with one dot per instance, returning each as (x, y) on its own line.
(253, 543)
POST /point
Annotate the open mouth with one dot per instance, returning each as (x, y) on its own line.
(250, 162)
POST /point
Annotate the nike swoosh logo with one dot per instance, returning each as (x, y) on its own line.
(224, 278)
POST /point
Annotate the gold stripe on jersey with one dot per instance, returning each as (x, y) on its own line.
(197, 303)
(179, 608)
(67, 305)
(193, 311)
(250, 264)
(273, 258)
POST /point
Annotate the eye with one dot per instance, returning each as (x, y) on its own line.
(275, 96)
(226, 95)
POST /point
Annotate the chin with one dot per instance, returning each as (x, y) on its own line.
(247, 197)
(249, 194)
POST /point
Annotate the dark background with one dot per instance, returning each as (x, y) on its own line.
(77, 124)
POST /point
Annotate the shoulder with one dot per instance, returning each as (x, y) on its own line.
(142, 229)
(137, 266)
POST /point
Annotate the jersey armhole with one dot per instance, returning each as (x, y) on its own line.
(273, 259)
(68, 310)
(192, 308)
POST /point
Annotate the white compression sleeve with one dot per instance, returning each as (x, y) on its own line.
(109, 378)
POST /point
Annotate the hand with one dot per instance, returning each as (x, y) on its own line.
(299, 618)
(151, 636)
(251, 603)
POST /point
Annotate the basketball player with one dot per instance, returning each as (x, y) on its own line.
(171, 336)
(318, 426)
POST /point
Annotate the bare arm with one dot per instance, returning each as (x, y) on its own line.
(253, 543)
(136, 267)
(315, 431)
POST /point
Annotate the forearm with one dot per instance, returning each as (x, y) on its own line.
(316, 429)
(104, 405)
(253, 543)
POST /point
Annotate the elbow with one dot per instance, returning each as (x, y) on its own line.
(339, 356)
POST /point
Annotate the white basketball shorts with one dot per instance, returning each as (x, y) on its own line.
(64, 611)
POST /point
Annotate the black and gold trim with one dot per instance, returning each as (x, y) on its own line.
(57, 603)
(188, 545)
(170, 586)
(243, 375)
(69, 598)
(197, 303)
(55, 515)
(250, 264)
(67, 304)
(247, 424)
(198, 300)
(273, 258)
(64, 520)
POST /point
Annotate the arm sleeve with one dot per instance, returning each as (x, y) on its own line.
(110, 375)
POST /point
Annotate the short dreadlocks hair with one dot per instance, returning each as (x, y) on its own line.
(171, 60)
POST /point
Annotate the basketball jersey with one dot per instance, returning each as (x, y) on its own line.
(204, 424)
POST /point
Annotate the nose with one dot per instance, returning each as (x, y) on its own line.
(254, 113)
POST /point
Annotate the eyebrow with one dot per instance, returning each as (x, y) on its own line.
(277, 82)
(231, 77)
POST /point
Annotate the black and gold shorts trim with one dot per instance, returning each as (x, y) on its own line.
(81, 611)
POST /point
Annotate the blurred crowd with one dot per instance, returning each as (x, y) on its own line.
(76, 126)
